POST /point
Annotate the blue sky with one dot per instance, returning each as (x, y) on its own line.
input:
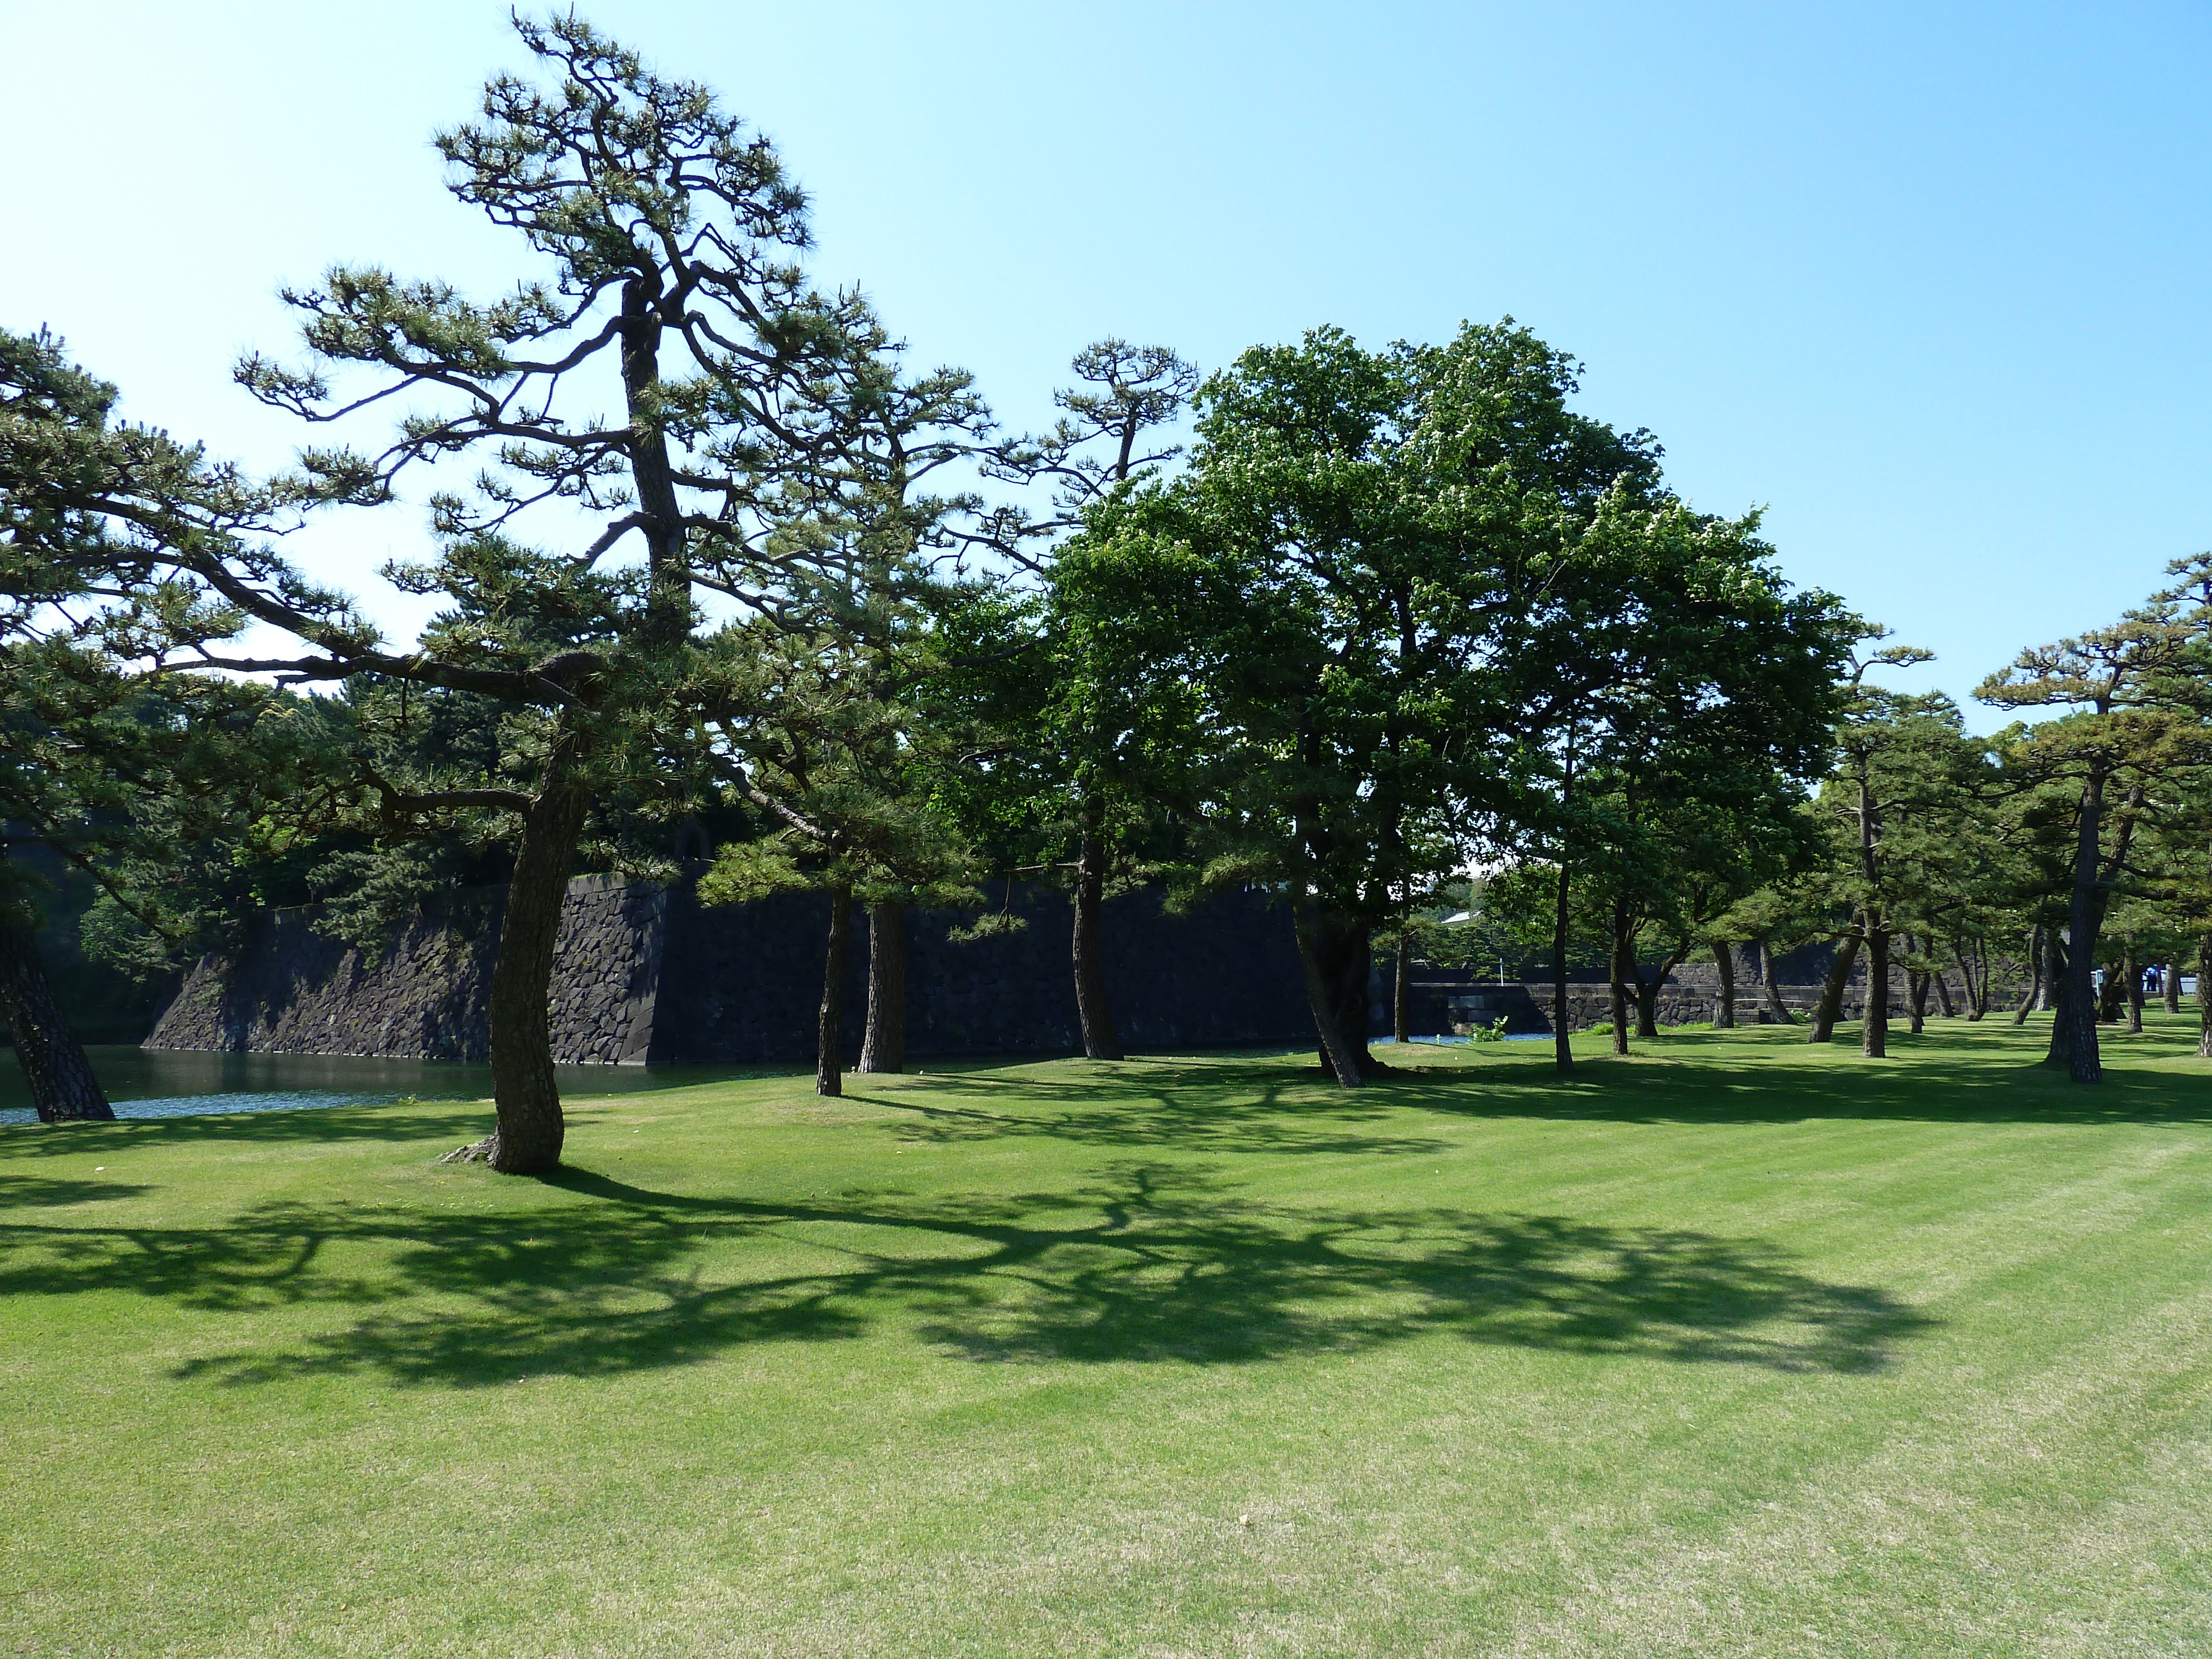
(1928, 282)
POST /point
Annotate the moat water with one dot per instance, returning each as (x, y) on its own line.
(165, 1083)
(150, 1082)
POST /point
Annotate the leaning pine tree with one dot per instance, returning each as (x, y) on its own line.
(665, 235)
(2128, 723)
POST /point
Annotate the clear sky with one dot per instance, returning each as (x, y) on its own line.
(1928, 282)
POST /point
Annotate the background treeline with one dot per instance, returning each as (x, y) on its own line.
(716, 568)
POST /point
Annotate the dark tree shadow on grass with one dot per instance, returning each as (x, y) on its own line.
(393, 1122)
(1942, 1078)
(1147, 1265)
(1246, 1103)
(1219, 1109)
(19, 1192)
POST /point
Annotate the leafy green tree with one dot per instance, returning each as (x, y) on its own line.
(1670, 700)
(1673, 867)
(1326, 631)
(1902, 807)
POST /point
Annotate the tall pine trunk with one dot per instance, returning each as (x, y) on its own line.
(1402, 1024)
(884, 1048)
(524, 1092)
(1874, 1025)
(1347, 960)
(2133, 970)
(1337, 1055)
(1724, 965)
(829, 1025)
(63, 1087)
(1831, 1005)
(2169, 983)
(1100, 1040)
(2073, 1031)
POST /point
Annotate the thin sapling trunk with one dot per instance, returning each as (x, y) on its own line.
(2111, 996)
(1975, 981)
(1401, 1027)
(2034, 995)
(1563, 1053)
(1618, 976)
(1915, 992)
(2060, 982)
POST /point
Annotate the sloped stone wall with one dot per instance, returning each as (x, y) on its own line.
(644, 973)
(426, 996)
(289, 990)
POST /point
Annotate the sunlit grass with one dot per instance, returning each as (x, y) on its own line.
(1738, 1346)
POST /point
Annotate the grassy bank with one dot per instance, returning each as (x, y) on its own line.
(1737, 1346)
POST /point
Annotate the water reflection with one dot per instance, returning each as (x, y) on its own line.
(149, 1083)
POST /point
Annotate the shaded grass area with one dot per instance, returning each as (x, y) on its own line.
(1738, 1345)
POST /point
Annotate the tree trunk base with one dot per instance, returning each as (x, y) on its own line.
(882, 1048)
(63, 1087)
(1101, 1040)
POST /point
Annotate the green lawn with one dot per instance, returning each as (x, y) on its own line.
(1736, 1347)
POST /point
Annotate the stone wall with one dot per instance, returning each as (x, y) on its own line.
(1691, 995)
(290, 990)
(644, 973)
(426, 996)
(1225, 973)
